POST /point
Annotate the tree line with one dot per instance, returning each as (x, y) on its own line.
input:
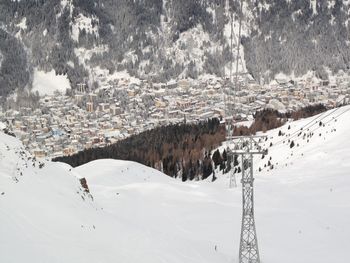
(179, 150)
(186, 150)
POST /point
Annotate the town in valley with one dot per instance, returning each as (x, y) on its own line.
(82, 118)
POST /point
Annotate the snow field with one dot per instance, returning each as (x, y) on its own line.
(137, 214)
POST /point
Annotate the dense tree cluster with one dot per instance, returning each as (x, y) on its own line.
(44, 40)
(14, 71)
(291, 37)
(181, 150)
(269, 119)
(306, 111)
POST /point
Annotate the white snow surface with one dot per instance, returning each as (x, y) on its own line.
(140, 215)
(313, 5)
(2, 125)
(46, 83)
(23, 24)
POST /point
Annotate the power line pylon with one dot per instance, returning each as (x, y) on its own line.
(231, 107)
(231, 159)
(247, 147)
(233, 181)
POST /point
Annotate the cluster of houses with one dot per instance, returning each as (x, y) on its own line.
(66, 124)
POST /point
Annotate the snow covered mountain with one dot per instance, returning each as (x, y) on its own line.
(132, 213)
(95, 41)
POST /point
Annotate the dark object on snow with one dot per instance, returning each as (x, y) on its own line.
(8, 132)
(84, 184)
(292, 144)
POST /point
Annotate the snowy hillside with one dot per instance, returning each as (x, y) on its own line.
(136, 214)
(303, 202)
(164, 40)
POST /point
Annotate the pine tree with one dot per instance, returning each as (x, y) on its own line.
(292, 144)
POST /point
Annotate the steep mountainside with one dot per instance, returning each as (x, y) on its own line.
(298, 36)
(163, 39)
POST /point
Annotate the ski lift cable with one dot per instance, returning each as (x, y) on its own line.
(312, 122)
(334, 118)
(237, 57)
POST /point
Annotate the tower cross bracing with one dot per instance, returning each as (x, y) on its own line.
(247, 147)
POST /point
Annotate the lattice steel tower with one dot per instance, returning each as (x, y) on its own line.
(230, 107)
(247, 147)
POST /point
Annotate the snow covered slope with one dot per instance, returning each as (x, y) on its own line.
(46, 83)
(303, 202)
(137, 214)
(39, 207)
